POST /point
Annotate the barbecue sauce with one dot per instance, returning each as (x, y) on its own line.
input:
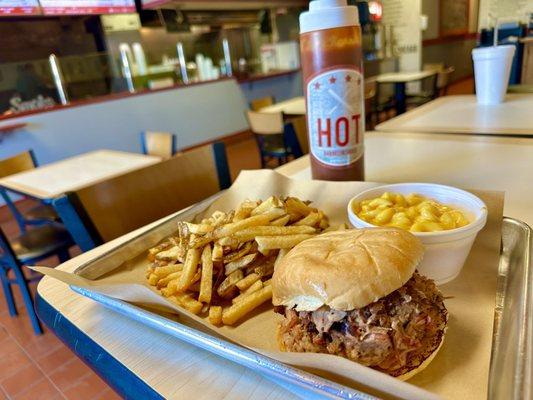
(332, 64)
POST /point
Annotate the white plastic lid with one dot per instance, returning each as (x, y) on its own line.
(327, 14)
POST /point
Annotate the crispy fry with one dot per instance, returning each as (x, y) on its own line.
(265, 269)
(297, 208)
(251, 233)
(173, 254)
(281, 221)
(238, 310)
(257, 220)
(253, 288)
(215, 315)
(312, 219)
(245, 210)
(240, 263)
(187, 301)
(189, 270)
(247, 281)
(280, 242)
(163, 282)
(162, 272)
(157, 249)
(229, 283)
(247, 248)
(206, 282)
(229, 241)
(217, 253)
(199, 229)
(268, 205)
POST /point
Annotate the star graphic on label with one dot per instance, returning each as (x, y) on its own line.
(332, 80)
(317, 85)
(348, 78)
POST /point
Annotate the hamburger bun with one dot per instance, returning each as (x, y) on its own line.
(346, 270)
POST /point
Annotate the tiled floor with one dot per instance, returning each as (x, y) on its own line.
(42, 367)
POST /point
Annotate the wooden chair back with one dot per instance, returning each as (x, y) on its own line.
(160, 144)
(266, 123)
(112, 208)
(258, 104)
(443, 78)
(18, 163)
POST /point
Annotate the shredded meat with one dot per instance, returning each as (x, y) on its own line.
(394, 335)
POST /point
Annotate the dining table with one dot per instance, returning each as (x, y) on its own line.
(400, 80)
(141, 362)
(57, 178)
(462, 114)
(290, 107)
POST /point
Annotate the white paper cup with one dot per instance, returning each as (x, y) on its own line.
(445, 251)
(492, 68)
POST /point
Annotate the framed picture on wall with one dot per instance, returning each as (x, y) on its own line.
(453, 17)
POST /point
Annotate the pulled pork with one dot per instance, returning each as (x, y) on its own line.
(393, 335)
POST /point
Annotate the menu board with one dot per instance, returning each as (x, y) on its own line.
(19, 7)
(77, 7)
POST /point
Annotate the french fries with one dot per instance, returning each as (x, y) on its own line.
(280, 242)
(238, 310)
(220, 267)
(206, 282)
(215, 315)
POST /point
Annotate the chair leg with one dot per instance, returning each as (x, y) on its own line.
(28, 301)
(8, 292)
(63, 255)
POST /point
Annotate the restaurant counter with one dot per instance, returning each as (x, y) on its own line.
(197, 113)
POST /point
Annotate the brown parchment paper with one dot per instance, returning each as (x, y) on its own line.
(459, 371)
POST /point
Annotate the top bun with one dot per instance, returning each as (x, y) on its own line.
(346, 270)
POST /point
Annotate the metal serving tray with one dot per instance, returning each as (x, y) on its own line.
(512, 349)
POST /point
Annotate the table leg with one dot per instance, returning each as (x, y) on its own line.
(399, 95)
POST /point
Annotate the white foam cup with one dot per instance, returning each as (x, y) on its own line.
(492, 68)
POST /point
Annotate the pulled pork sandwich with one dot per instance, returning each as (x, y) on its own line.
(356, 294)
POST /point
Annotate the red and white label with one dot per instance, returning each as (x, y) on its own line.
(19, 7)
(336, 117)
(73, 7)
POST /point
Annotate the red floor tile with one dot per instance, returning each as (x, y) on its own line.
(3, 396)
(57, 358)
(41, 390)
(88, 388)
(70, 374)
(108, 394)
(12, 359)
(22, 380)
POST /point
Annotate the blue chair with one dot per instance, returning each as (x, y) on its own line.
(106, 210)
(29, 248)
(160, 144)
(275, 139)
(42, 213)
